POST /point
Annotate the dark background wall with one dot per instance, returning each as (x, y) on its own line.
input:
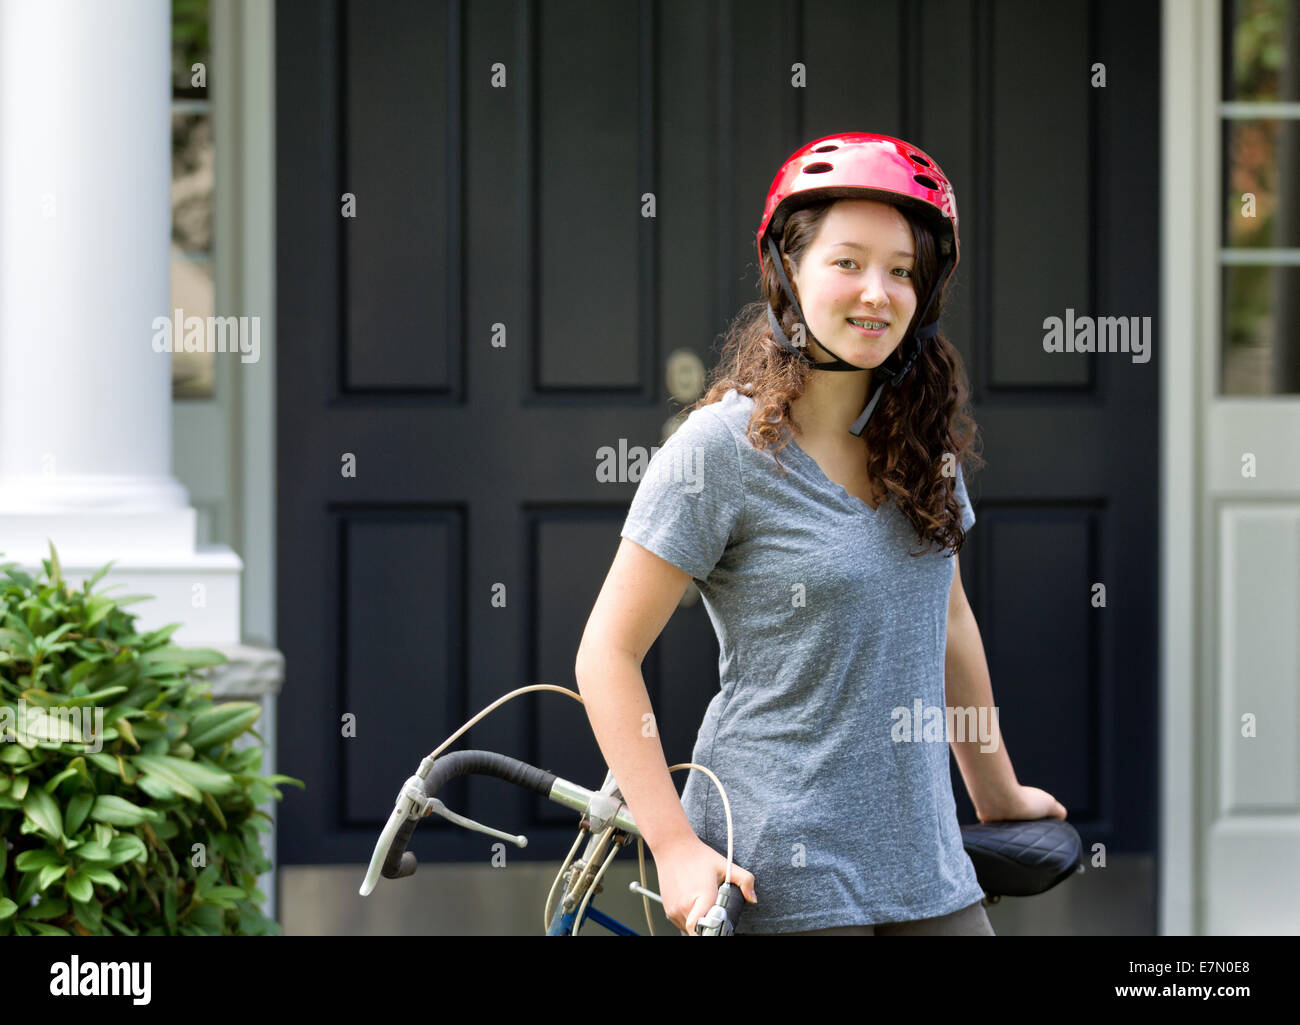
(521, 206)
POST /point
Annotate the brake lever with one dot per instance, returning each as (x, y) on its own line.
(714, 921)
(411, 803)
(436, 805)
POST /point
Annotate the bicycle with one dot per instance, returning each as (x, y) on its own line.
(1018, 858)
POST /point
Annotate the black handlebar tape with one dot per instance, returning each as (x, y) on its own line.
(488, 763)
(735, 903)
(401, 862)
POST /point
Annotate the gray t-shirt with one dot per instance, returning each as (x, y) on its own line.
(826, 627)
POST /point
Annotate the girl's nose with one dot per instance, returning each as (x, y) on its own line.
(873, 291)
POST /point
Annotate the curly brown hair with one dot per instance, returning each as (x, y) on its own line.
(916, 422)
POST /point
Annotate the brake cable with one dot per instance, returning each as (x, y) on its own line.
(726, 805)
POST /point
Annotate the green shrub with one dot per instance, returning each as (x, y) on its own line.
(157, 831)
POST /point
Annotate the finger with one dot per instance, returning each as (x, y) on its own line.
(745, 880)
(697, 911)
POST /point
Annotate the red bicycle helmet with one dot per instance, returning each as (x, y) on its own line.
(862, 165)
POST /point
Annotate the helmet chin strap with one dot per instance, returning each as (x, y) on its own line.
(884, 374)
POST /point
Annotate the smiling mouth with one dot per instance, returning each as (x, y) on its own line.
(869, 325)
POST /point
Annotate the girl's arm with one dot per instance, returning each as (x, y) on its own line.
(982, 757)
(638, 597)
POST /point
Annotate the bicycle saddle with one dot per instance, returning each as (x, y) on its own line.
(1022, 858)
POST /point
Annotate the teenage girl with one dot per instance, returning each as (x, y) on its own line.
(821, 526)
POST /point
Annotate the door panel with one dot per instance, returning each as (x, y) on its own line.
(461, 559)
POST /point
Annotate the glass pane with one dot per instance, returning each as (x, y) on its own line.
(193, 373)
(1262, 184)
(1261, 325)
(1262, 58)
(191, 45)
(193, 160)
(192, 287)
(193, 157)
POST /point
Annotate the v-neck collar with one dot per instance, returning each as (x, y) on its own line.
(815, 468)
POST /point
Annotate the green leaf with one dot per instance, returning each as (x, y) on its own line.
(93, 851)
(155, 788)
(41, 809)
(27, 888)
(49, 874)
(52, 784)
(45, 929)
(169, 909)
(79, 887)
(225, 893)
(12, 754)
(30, 861)
(211, 803)
(208, 917)
(79, 672)
(105, 762)
(89, 913)
(207, 878)
(127, 847)
(49, 907)
(192, 658)
(118, 811)
(88, 585)
(180, 774)
(19, 577)
(56, 571)
(104, 877)
(18, 790)
(96, 698)
(155, 766)
(276, 778)
(146, 729)
(117, 926)
(97, 607)
(122, 600)
(75, 814)
(7, 907)
(215, 726)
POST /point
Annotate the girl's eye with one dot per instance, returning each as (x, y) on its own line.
(845, 259)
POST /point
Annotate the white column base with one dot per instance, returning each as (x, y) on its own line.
(85, 536)
(199, 590)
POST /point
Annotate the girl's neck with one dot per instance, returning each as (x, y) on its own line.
(830, 403)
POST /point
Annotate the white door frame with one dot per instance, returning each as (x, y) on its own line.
(1230, 553)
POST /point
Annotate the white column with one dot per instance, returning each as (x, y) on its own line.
(85, 226)
(85, 402)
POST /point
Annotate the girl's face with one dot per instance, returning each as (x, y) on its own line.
(859, 268)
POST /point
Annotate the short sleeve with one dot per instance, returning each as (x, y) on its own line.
(963, 499)
(691, 497)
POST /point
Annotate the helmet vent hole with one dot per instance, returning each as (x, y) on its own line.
(819, 168)
(928, 182)
(917, 158)
(827, 149)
